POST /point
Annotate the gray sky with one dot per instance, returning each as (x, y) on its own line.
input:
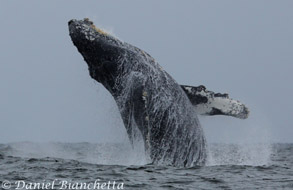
(244, 48)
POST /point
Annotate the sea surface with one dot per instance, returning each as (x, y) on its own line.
(28, 165)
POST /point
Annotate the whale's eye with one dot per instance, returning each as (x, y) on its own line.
(109, 58)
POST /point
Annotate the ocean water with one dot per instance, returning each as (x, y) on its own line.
(29, 165)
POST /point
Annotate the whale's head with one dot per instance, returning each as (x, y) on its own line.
(102, 51)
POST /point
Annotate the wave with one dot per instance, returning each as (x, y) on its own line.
(124, 154)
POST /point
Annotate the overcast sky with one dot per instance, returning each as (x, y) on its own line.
(244, 48)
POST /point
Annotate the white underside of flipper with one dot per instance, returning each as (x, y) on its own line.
(216, 104)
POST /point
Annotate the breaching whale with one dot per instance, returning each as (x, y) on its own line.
(152, 104)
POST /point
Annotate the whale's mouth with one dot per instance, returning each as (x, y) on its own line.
(85, 34)
(101, 51)
(96, 45)
(85, 27)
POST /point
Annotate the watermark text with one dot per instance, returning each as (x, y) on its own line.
(62, 185)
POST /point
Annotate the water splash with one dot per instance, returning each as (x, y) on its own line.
(239, 154)
(242, 142)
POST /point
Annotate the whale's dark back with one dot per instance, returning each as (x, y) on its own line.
(152, 105)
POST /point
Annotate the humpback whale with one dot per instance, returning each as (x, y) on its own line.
(153, 106)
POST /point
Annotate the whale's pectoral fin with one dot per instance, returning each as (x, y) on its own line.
(210, 103)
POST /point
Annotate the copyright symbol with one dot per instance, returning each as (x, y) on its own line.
(6, 184)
